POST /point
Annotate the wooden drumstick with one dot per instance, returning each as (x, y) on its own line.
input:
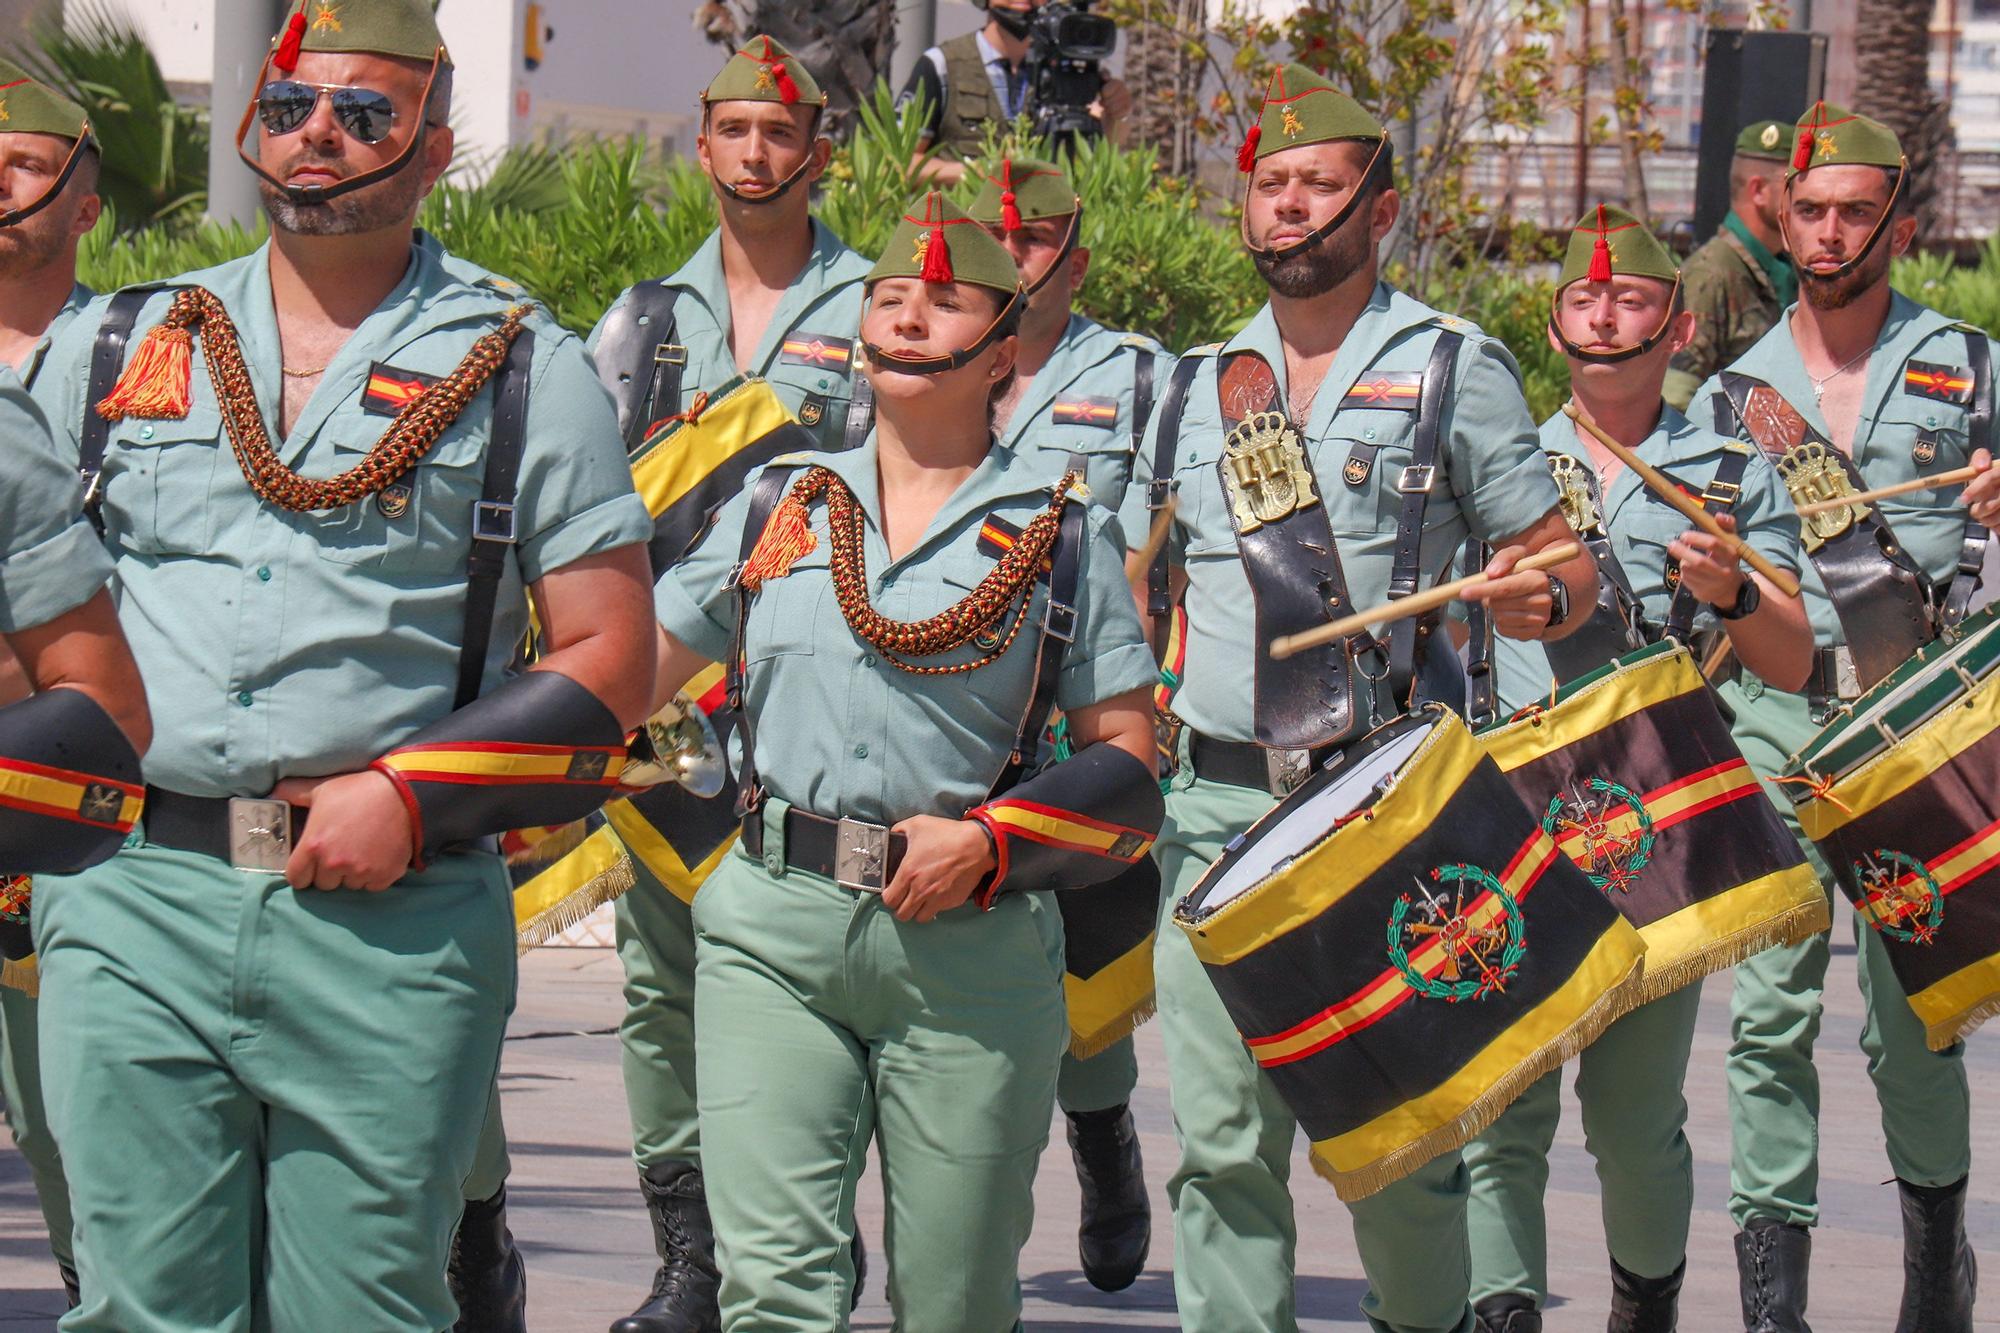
(1141, 560)
(1951, 478)
(1664, 487)
(1413, 605)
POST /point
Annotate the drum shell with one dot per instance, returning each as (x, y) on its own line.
(1380, 1075)
(1697, 857)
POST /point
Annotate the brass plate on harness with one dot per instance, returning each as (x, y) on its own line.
(1264, 470)
(1814, 475)
(1574, 495)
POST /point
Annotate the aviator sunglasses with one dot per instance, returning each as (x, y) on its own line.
(285, 105)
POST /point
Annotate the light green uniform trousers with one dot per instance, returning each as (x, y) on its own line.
(490, 1164)
(28, 1117)
(1103, 1081)
(655, 932)
(1629, 1081)
(824, 1022)
(269, 1099)
(1234, 1232)
(1773, 1087)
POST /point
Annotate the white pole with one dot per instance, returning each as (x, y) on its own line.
(916, 32)
(243, 31)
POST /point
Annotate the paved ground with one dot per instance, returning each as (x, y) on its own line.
(577, 1210)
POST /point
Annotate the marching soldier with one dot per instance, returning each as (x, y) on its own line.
(880, 959)
(49, 194)
(1409, 430)
(1618, 317)
(1741, 280)
(774, 295)
(298, 970)
(1079, 400)
(1859, 387)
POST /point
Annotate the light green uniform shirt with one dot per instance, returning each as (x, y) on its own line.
(807, 352)
(50, 559)
(79, 297)
(1491, 483)
(1641, 526)
(1082, 402)
(277, 644)
(842, 732)
(1896, 426)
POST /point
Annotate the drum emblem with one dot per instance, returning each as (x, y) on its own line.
(1900, 897)
(1579, 504)
(1605, 829)
(1814, 475)
(1477, 944)
(1264, 470)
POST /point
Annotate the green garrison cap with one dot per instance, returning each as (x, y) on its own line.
(406, 28)
(1833, 136)
(937, 242)
(764, 71)
(1609, 241)
(29, 106)
(1300, 107)
(1769, 140)
(1026, 189)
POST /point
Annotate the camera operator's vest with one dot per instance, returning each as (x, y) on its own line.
(968, 102)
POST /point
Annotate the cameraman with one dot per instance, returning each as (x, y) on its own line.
(984, 76)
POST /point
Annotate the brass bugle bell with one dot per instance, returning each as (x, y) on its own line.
(677, 744)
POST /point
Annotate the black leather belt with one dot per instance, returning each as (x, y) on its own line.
(1832, 675)
(1246, 764)
(851, 852)
(248, 832)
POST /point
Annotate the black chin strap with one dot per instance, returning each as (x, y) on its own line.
(1068, 249)
(938, 365)
(1640, 348)
(1324, 229)
(319, 194)
(14, 217)
(1867, 246)
(783, 187)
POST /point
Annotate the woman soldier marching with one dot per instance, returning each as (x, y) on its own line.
(878, 958)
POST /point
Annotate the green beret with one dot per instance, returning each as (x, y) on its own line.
(764, 71)
(29, 106)
(937, 242)
(406, 28)
(1031, 188)
(1300, 108)
(1608, 241)
(1833, 136)
(1766, 140)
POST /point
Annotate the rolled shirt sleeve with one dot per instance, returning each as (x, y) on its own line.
(575, 497)
(51, 561)
(1109, 656)
(1494, 448)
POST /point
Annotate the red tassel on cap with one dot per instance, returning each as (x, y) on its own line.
(287, 58)
(1600, 252)
(1802, 155)
(937, 259)
(788, 92)
(1246, 156)
(1010, 212)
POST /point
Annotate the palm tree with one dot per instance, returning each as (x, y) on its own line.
(1893, 85)
(845, 43)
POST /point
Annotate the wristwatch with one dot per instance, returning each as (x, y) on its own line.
(1747, 599)
(1558, 602)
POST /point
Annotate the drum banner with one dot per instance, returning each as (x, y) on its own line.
(678, 836)
(562, 875)
(1902, 794)
(1634, 774)
(1108, 956)
(1419, 961)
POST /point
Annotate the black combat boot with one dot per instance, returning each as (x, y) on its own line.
(1939, 1273)
(71, 1287)
(1117, 1227)
(1772, 1259)
(1644, 1304)
(488, 1278)
(1509, 1312)
(683, 1299)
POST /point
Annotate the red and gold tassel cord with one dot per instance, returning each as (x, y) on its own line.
(287, 58)
(1010, 211)
(787, 538)
(156, 384)
(1600, 251)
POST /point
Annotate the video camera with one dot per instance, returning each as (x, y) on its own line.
(1067, 46)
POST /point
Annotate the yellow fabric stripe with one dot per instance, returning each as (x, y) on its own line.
(1953, 1007)
(1054, 826)
(1301, 893)
(1608, 701)
(596, 854)
(1923, 752)
(658, 855)
(1611, 961)
(59, 793)
(22, 975)
(492, 763)
(1698, 926)
(1109, 1000)
(1736, 779)
(667, 468)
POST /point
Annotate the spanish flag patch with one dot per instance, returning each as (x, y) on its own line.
(391, 390)
(1099, 412)
(817, 349)
(1387, 388)
(997, 537)
(1943, 384)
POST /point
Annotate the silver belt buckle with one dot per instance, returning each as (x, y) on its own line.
(860, 856)
(260, 834)
(1845, 678)
(1285, 770)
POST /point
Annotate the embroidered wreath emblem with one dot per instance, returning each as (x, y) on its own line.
(1900, 897)
(1585, 816)
(1480, 956)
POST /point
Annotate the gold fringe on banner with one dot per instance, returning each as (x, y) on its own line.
(596, 872)
(22, 975)
(1801, 922)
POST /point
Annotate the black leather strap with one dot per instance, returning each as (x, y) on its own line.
(860, 412)
(1239, 763)
(493, 525)
(1481, 698)
(107, 362)
(1979, 435)
(1719, 498)
(1142, 396)
(1159, 602)
(1408, 636)
(1058, 632)
(638, 360)
(764, 497)
(812, 843)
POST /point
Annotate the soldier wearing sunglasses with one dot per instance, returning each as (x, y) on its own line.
(283, 1000)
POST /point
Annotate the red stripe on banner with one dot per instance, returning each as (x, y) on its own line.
(63, 813)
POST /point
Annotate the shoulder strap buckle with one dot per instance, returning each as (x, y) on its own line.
(493, 521)
(1417, 479)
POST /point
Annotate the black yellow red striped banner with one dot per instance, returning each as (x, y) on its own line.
(62, 793)
(504, 763)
